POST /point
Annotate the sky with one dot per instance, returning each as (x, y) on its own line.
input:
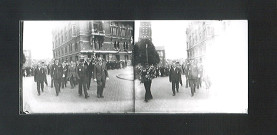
(170, 34)
(37, 37)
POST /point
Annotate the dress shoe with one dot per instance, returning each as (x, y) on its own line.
(86, 96)
(101, 96)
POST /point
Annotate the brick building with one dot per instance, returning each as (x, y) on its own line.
(111, 40)
(145, 31)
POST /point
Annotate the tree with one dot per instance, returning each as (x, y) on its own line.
(141, 56)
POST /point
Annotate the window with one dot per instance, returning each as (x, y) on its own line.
(74, 30)
(114, 45)
(76, 46)
(65, 48)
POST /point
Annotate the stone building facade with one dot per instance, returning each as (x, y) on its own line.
(200, 36)
(145, 31)
(111, 40)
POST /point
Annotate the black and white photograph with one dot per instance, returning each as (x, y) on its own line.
(141, 66)
(191, 66)
(77, 66)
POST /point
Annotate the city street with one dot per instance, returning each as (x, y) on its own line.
(118, 97)
(211, 100)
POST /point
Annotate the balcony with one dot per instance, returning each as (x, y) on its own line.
(97, 32)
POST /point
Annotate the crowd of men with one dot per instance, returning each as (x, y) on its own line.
(79, 73)
(192, 69)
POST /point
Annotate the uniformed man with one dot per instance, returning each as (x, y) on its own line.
(100, 75)
(83, 77)
(39, 77)
(57, 73)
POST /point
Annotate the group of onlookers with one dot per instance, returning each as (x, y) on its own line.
(116, 64)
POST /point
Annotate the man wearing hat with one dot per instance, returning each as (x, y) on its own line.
(90, 66)
(56, 73)
(100, 75)
(83, 76)
(39, 77)
(175, 77)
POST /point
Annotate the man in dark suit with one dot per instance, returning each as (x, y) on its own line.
(83, 77)
(90, 66)
(175, 78)
(64, 76)
(39, 77)
(100, 75)
(56, 73)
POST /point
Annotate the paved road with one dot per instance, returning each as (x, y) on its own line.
(213, 100)
(118, 97)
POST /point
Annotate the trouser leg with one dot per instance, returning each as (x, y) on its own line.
(80, 86)
(38, 87)
(88, 84)
(98, 90)
(71, 81)
(42, 85)
(85, 89)
(191, 87)
(52, 81)
(56, 84)
(173, 87)
(177, 86)
(62, 83)
(99, 87)
(65, 81)
(149, 90)
(146, 86)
